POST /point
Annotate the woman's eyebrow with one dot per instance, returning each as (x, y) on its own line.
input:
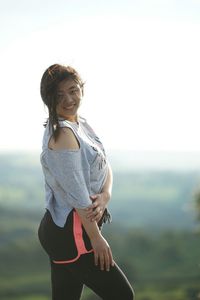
(70, 88)
(73, 87)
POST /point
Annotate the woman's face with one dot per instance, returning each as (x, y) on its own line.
(68, 99)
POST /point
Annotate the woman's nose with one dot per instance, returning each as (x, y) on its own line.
(68, 99)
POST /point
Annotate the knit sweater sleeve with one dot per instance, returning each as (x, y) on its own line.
(68, 175)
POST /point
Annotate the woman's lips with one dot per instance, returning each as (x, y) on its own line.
(69, 107)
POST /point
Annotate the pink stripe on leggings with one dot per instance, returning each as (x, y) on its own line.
(78, 237)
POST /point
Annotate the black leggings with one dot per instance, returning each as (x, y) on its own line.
(68, 280)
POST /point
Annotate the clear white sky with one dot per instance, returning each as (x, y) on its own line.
(140, 60)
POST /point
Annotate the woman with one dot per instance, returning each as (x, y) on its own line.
(78, 184)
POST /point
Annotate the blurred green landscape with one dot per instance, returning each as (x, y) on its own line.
(154, 234)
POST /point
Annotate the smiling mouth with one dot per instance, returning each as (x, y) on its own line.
(69, 107)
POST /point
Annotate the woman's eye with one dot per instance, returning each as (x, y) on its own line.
(74, 91)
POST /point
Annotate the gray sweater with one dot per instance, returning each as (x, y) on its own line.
(71, 176)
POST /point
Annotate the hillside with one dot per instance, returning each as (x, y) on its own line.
(153, 235)
(159, 198)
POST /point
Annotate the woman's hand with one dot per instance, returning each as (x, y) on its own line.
(102, 253)
(96, 209)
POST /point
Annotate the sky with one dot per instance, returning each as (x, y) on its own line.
(140, 61)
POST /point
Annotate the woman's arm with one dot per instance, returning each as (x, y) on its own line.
(100, 201)
(102, 250)
(107, 188)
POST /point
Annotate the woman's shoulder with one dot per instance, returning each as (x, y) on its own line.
(66, 140)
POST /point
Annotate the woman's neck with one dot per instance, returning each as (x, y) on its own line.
(72, 118)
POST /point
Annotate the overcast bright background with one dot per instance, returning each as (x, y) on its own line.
(140, 60)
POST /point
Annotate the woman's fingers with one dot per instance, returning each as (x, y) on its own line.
(105, 260)
(95, 210)
(90, 209)
(101, 260)
(109, 259)
(112, 263)
(102, 253)
(93, 205)
(96, 258)
(95, 214)
(98, 210)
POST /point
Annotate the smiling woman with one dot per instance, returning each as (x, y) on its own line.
(78, 185)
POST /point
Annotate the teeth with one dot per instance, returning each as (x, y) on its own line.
(69, 107)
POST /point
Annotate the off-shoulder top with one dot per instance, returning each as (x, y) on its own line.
(72, 176)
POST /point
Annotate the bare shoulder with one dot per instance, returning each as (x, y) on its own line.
(66, 140)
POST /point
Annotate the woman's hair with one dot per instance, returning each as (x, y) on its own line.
(48, 90)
